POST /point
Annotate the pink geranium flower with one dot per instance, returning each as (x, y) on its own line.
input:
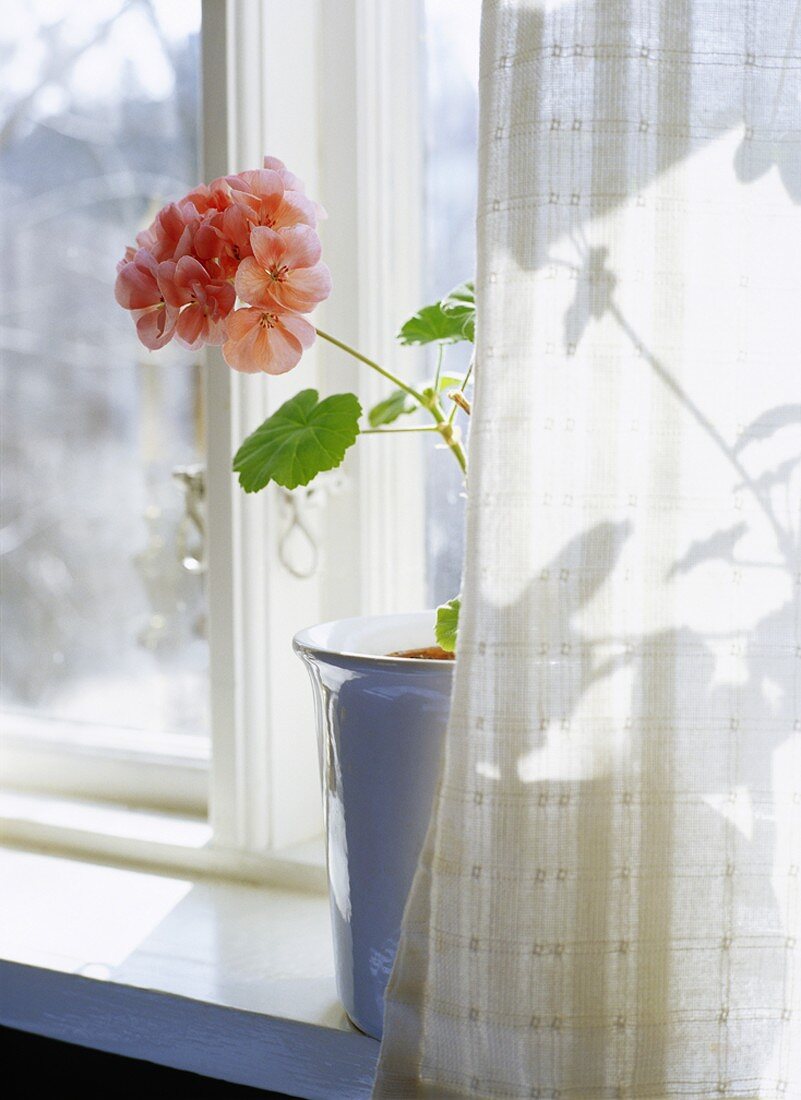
(266, 340)
(285, 270)
(137, 289)
(266, 201)
(204, 302)
(251, 233)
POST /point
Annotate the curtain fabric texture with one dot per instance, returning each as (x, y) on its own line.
(608, 903)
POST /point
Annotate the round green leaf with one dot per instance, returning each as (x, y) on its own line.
(302, 438)
(431, 325)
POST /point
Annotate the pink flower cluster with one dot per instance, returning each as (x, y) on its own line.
(235, 262)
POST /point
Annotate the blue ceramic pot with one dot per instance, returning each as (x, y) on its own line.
(380, 724)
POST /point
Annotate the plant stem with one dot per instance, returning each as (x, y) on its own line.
(463, 386)
(783, 538)
(374, 366)
(416, 428)
(440, 352)
(432, 405)
(445, 428)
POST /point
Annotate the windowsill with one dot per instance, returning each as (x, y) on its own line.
(228, 980)
(176, 843)
(84, 760)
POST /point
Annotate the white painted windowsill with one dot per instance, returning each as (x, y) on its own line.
(229, 980)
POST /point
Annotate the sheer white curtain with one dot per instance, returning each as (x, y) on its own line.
(608, 904)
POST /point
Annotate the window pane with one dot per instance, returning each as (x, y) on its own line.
(102, 603)
(451, 113)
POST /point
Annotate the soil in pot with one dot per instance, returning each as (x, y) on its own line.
(429, 653)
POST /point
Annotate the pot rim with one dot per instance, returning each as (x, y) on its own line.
(303, 642)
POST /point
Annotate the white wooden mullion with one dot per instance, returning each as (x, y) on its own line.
(390, 199)
(232, 526)
(371, 152)
(264, 786)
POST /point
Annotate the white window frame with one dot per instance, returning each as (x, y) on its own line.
(318, 84)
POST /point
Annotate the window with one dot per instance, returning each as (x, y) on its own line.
(147, 655)
(103, 606)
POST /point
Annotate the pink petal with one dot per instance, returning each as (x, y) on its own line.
(208, 241)
(136, 288)
(290, 180)
(224, 297)
(155, 327)
(188, 270)
(239, 357)
(186, 242)
(242, 321)
(251, 204)
(214, 196)
(253, 284)
(264, 183)
(268, 245)
(295, 209)
(246, 352)
(286, 351)
(305, 288)
(298, 327)
(236, 229)
(190, 327)
(172, 294)
(147, 238)
(302, 246)
(147, 261)
(171, 220)
(216, 332)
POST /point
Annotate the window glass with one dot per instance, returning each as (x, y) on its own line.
(102, 588)
(451, 119)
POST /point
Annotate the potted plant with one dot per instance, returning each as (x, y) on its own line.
(237, 263)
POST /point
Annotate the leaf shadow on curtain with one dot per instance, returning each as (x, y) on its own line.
(740, 793)
(673, 898)
(639, 881)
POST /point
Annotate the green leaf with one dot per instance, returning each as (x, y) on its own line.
(461, 304)
(446, 322)
(398, 403)
(431, 325)
(447, 624)
(299, 440)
